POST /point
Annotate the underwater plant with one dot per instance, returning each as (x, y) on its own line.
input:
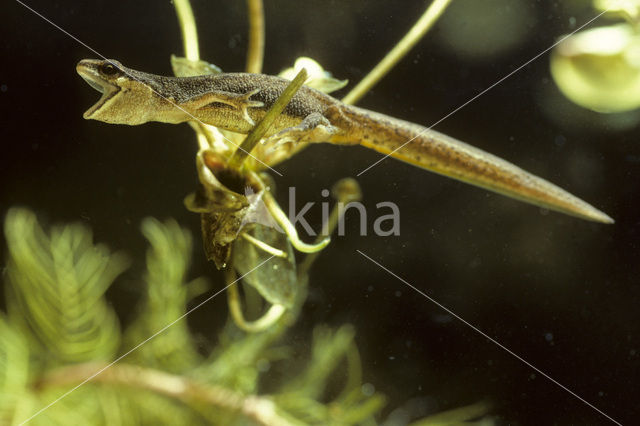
(65, 359)
(251, 248)
(598, 68)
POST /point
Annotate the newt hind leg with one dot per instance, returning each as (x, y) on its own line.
(313, 128)
(287, 142)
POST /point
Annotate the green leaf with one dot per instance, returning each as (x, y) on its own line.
(275, 280)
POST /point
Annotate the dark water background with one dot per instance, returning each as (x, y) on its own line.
(561, 292)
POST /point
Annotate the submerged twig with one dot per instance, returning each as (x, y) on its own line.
(255, 50)
(420, 28)
(259, 409)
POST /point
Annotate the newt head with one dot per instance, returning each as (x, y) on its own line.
(102, 76)
(125, 95)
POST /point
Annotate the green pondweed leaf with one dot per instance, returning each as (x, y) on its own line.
(276, 279)
(183, 67)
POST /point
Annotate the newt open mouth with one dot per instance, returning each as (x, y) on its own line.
(98, 74)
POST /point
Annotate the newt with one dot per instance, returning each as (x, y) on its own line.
(236, 101)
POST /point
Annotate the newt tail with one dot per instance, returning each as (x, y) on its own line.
(450, 157)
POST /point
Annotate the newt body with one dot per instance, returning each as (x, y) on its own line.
(236, 101)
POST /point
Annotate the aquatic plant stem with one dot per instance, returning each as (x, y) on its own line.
(188, 28)
(344, 191)
(255, 50)
(264, 246)
(419, 29)
(259, 409)
(460, 415)
(270, 318)
(192, 52)
(252, 139)
(281, 218)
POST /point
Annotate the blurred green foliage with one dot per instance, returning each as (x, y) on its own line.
(64, 359)
(599, 68)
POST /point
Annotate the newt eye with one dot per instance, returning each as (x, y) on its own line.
(109, 69)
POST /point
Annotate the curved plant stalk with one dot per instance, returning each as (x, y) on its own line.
(188, 28)
(255, 50)
(419, 29)
(281, 218)
(344, 191)
(263, 246)
(191, 52)
(259, 409)
(270, 318)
